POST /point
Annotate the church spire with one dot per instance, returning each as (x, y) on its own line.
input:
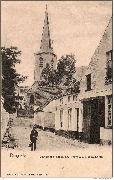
(46, 40)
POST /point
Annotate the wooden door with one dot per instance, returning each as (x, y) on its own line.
(95, 122)
(86, 121)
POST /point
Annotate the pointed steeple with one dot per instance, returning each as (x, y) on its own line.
(46, 40)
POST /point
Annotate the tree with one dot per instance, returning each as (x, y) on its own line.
(65, 69)
(10, 78)
(46, 75)
(63, 74)
(53, 78)
(74, 86)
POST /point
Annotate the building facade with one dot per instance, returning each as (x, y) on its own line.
(96, 93)
(46, 53)
(89, 114)
(67, 114)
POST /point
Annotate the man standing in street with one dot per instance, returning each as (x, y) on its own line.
(33, 138)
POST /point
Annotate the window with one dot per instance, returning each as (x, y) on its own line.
(52, 62)
(69, 118)
(61, 118)
(88, 77)
(110, 110)
(109, 67)
(74, 97)
(68, 98)
(61, 101)
(41, 62)
(32, 99)
(49, 42)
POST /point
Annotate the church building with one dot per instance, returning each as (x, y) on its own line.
(46, 53)
(35, 96)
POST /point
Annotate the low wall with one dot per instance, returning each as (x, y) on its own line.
(23, 122)
(44, 119)
(25, 113)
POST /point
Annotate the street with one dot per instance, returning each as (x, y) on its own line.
(21, 129)
(69, 156)
(46, 140)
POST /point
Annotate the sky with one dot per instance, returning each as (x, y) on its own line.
(75, 26)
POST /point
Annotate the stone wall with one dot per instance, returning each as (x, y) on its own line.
(44, 119)
(23, 122)
(25, 113)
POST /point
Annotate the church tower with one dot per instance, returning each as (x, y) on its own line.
(46, 54)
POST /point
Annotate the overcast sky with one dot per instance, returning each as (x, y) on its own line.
(75, 26)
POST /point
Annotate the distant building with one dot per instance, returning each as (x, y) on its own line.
(96, 92)
(46, 53)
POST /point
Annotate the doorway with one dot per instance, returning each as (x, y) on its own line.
(94, 123)
(93, 119)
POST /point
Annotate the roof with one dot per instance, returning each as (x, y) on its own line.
(46, 40)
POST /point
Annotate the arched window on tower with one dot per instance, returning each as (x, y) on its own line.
(41, 62)
(52, 62)
(32, 99)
